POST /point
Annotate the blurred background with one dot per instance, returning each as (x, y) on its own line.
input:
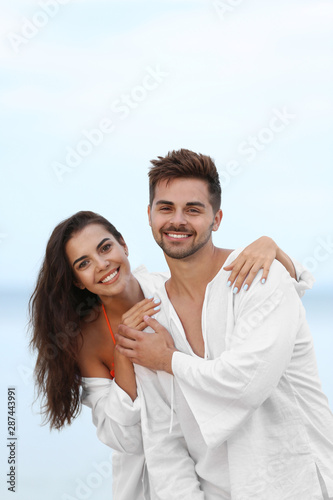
(91, 91)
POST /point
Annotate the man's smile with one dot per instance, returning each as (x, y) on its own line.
(178, 236)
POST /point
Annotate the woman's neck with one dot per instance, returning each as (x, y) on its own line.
(116, 306)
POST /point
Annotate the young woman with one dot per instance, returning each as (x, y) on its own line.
(85, 289)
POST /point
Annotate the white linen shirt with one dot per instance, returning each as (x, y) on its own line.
(118, 422)
(251, 413)
(118, 419)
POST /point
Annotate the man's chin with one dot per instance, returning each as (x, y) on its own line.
(177, 254)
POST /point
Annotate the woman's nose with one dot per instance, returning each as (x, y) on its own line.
(102, 263)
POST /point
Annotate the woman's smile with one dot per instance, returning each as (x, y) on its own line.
(110, 277)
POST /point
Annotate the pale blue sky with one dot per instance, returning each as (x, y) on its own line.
(204, 75)
(222, 77)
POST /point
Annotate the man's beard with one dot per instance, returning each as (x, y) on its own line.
(181, 253)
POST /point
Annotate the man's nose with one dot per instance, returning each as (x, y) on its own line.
(178, 218)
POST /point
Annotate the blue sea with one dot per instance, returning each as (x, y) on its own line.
(73, 464)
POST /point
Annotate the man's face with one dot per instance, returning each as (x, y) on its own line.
(181, 217)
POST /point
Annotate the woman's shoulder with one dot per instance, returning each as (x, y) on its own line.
(95, 356)
(94, 333)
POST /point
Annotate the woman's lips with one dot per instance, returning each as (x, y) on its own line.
(110, 277)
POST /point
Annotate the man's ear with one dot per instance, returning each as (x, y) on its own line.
(149, 215)
(217, 220)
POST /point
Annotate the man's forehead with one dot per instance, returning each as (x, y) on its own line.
(182, 188)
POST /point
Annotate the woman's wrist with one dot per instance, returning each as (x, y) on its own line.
(286, 261)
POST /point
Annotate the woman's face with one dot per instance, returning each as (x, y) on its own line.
(98, 261)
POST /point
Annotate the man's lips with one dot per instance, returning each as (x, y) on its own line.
(177, 236)
(110, 277)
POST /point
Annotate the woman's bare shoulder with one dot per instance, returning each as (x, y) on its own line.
(96, 349)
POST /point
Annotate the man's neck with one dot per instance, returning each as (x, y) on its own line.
(190, 276)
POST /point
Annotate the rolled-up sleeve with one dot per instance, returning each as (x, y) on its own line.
(116, 417)
(304, 279)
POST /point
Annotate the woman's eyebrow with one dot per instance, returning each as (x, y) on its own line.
(80, 258)
(103, 241)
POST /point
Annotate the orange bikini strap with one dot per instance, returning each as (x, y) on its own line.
(108, 323)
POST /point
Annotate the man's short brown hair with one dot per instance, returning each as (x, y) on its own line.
(186, 164)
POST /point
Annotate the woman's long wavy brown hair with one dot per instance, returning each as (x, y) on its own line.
(57, 307)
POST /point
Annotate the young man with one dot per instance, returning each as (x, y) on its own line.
(247, 410)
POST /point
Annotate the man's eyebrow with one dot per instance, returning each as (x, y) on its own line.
(189, 204)
(195, 204)
(86, 256)
(164, 202)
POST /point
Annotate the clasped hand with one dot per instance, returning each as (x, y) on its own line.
(152, 350)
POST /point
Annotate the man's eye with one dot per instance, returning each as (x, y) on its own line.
(164, 209)
(194, 211)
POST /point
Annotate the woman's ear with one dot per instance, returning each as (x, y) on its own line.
(79, 285)
(122, 242)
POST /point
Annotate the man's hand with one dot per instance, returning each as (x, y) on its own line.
(152, 350)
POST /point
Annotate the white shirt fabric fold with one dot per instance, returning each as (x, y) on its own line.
(116, 416)
(174, 469)
(251, 412)
(118, 420)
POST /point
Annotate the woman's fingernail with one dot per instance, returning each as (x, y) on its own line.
(235, 289)
(246, 286)
(263, 281)
(157, 308)
(150, 297)
(229, 283)
(156, 301)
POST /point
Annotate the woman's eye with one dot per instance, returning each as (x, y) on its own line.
(106, 247)
(83, 264)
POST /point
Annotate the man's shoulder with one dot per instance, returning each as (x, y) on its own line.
(276, 269)
(278, 283)
(227, 259)
(233, 254)
(150, 282)
(276, 272)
